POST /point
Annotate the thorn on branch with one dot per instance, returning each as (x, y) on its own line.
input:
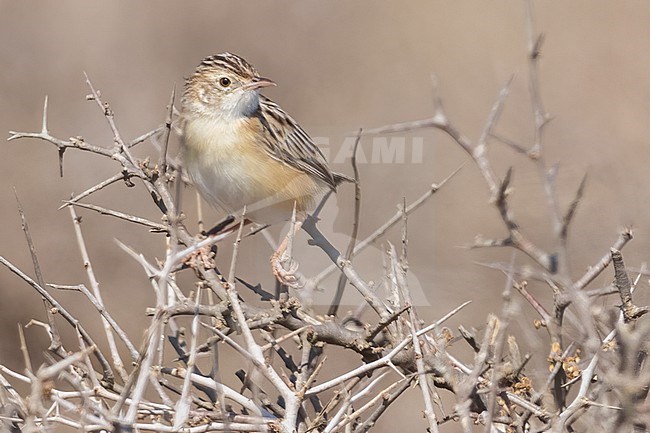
(502, 201)
(568, 217)
(513, 145)
(44, 130)
(61, 153)
(536, 50)
(503, 190)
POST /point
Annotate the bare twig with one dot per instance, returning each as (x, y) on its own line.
(334, 305)
(534, 51)
(121, 215)
(124, 175)
(400, 269)
(386, 226)
(598, 268)
(622, 282)
(385, 360)
(318, 239)
(107, 320)
(55, 338)
(168, 126)
(109, 377)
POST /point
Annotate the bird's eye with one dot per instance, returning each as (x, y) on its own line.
(224, 81)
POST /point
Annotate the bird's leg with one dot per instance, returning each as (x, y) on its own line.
(282, 263)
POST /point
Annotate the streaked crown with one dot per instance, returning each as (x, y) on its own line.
(227, 62)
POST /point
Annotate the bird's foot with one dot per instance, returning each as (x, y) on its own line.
(285, 270)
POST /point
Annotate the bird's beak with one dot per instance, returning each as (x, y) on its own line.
(258, 83)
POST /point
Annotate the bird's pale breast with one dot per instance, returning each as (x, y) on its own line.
(231, 169)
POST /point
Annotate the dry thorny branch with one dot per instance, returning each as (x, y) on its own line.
(597, 378)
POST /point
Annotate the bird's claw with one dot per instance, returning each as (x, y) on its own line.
(285, 268)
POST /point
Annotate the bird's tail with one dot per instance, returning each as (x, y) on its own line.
(339, 178)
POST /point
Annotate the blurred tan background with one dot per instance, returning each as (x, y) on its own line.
(339, 66)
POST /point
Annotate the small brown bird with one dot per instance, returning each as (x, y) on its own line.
(241, 148)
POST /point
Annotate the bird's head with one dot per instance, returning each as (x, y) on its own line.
(224, 85)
